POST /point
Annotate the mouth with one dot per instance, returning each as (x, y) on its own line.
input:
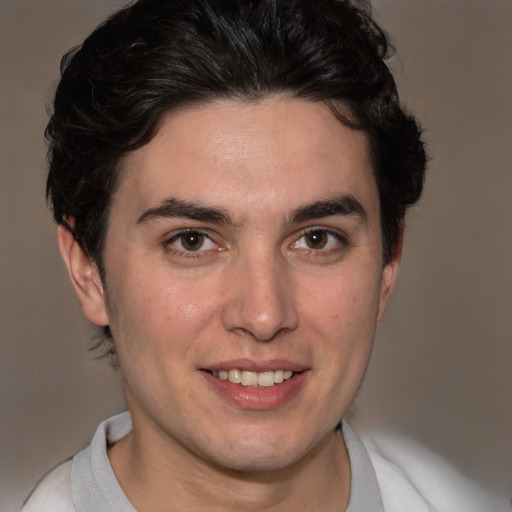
(252, 385)
(252, 379)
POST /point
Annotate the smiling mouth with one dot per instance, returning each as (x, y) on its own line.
(254, 379)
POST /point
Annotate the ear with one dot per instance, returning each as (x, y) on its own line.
(84, 276)
(389, 275)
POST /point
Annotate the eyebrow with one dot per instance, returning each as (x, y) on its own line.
(344, 205)
(172, 207)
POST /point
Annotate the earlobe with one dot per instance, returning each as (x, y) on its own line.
(389, 275)
(84, 276)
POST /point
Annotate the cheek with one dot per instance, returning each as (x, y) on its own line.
(153, 315)
(344, 307)
(343, 316)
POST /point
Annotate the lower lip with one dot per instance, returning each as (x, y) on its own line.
(254, 398)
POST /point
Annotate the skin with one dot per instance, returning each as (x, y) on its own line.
(258, 286)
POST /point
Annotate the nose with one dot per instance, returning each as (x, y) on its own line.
(261, 299)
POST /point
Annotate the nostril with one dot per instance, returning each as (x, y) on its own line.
(259, 335)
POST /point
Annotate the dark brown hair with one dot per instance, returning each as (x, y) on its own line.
(157, 55)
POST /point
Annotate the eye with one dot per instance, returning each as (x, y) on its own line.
(318, 239)
(191, 241)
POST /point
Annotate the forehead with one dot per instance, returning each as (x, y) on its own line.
(270, 154)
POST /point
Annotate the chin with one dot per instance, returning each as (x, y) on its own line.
(250, 462)
(258, 453)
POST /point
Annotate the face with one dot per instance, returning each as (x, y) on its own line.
(244, 245)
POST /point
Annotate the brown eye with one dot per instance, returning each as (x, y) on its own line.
(317, 239)
(192, 241)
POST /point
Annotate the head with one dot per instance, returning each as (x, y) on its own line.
(141, 105)
(157, 57)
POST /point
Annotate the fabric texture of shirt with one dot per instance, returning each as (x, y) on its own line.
(388, 475)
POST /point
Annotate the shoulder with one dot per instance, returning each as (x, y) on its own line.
(409, 473)
(53, 493)
(87, 481)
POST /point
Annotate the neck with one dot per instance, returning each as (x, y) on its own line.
(159, 474)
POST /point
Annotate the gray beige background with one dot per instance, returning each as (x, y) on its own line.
(441, 370)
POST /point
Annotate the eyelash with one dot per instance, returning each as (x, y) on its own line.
(341, 243)
(183, 253)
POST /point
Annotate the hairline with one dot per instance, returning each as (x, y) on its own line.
(339, 108)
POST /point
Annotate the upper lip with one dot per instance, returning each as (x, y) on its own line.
(252, 365)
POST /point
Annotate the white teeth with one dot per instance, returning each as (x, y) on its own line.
(279, 376)
(254, 379)
(266, 379)
(249, 379)
(235, 376)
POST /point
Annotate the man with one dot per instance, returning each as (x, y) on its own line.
(230, 180)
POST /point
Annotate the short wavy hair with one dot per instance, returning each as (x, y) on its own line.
(155, 56)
